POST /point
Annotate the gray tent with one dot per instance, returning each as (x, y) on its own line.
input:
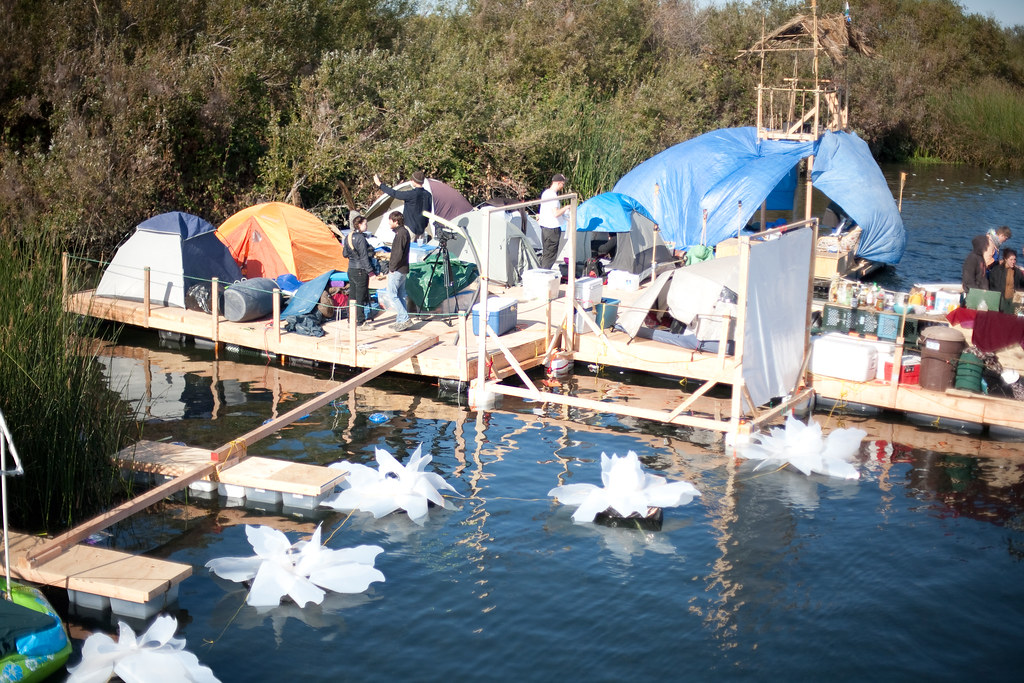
(448, 204)
(509, 252)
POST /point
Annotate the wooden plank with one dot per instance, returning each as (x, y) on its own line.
(99, 571)
(240, 444)
(159, 457)
(63, 542)
(283, 476)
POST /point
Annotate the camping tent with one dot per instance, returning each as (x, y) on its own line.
(269, 240)
(636, 233)
(448, 204)
(729, 172)
(179, 249)
(509, 252)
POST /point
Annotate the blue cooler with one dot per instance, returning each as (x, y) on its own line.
(502, 315)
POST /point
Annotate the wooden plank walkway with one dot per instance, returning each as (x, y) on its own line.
(97, 571)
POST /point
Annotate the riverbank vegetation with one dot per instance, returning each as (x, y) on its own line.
(113, 110)
(64, 420)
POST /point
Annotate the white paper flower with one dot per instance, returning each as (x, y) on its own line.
(154, 656)
(627, 490)
(390, 487)
(299, 571)
(802, 446)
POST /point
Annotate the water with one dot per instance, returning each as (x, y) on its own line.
(911, 573)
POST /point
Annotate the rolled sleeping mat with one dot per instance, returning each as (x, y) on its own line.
(249, 299)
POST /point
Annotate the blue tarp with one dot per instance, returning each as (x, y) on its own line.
(609, 212)
(307, 296)
(718, 170)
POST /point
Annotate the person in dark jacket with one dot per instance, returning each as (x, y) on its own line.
(398, 272)
(359, 253)
(973, 273)
(1005, 277)
(417, 200)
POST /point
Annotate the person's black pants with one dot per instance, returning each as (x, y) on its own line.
(549, 239)
(359, 291)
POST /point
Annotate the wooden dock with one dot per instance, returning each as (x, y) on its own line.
(97, 571)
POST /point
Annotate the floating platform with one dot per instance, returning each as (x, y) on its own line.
(101, 578)
(270, 481)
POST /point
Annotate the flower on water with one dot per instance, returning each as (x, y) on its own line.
(627, 490)
(299, 571)
(155, 655)
(391, 487)
(802, 446)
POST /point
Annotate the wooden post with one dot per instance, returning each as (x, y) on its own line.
(484, 291)
(809, 193)
(64, 258)
(353, 322)
(145, 297)
(463, 347)
(741, 324)
(704, 228)
(277, 318)
(739, 218)
(903, 181)
(547, 324)
(215, 307)
(571, 280)
(764, 215)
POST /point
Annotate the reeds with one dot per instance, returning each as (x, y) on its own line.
(986, 124)
(65, 422)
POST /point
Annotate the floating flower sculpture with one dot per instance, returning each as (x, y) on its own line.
(155, 655)
(627, 490)
(802, 446)
(299, 571)
(391, 487)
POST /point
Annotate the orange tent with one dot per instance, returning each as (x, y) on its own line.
(268, 240)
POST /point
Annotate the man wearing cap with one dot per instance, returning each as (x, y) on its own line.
(549, 219)
(417, 200)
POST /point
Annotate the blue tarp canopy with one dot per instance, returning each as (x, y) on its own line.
(718, 170)
(609, 212)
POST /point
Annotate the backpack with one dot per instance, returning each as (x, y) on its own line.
(593, 268)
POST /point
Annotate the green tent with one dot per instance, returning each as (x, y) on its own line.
(425, 284)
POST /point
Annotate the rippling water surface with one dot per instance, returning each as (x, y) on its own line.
(914, 572)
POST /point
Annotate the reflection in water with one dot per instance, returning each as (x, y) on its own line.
(760, 562)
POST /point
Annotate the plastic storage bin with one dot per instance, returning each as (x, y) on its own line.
(588, 291)
(606, 312)
(502, 315)
(623, 280)
(540, 283)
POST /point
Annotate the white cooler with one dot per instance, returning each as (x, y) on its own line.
(541, 283)
(843, 358)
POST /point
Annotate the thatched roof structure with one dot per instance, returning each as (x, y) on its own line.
(835, 34)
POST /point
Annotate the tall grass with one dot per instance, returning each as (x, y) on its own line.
(66, 424)
(983, 124)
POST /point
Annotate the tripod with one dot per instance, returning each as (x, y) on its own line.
(441, 258)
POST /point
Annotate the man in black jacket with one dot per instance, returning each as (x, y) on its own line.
(417, 200)
(973, 273)
(398, 272)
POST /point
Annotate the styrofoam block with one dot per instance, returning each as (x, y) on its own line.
(144, 610)
(255, 495)
(203, 486)
(297, 500)
(100, 603)
(231, 491)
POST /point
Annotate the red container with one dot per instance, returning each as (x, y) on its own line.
(909, 374)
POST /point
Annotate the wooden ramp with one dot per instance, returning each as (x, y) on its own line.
(162, 458)
(98, 571)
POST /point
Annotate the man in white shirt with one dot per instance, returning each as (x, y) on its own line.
(549, 219)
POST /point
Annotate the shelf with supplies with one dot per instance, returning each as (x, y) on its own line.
(869, 323)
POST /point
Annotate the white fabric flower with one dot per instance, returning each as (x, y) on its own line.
(627, 490)
(390, 487)
(802, 446)
(152, 657)
(299, 571)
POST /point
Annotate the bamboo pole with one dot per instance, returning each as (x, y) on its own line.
(903, 182)
(64, 258)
